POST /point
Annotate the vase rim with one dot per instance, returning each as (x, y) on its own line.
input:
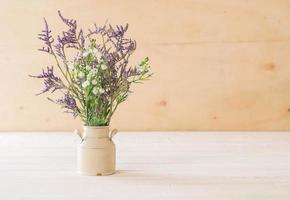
(96, 127)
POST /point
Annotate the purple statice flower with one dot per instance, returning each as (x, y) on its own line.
(98, 78)
(51, 82)
(47, 38)
(118, 49)
(69, 38)
(68, 103)
(116, 52)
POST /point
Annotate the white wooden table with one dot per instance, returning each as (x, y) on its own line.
(233, 166)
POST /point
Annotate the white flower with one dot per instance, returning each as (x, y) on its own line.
(139, 68)
(88, 67)
(86, 53)
(98, 55)
(86, 84)
(94, 50)
(101, 90)
(71, 65)
(81, 74)
(75, 74)
(94, 82)
(98, 90)
(104, 67)
(95, 91)
(94, 70)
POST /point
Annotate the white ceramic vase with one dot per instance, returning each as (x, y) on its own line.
(96, 152)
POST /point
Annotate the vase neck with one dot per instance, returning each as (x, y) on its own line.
(96, 131)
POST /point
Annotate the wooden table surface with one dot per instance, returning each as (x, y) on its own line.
(224, 165)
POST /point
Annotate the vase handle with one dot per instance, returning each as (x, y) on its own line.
(78, 133)
(113, 133)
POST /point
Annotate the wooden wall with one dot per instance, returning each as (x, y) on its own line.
(218, 64)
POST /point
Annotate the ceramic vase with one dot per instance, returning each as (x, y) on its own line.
(96, 151)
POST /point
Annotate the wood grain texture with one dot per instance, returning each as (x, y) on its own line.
(153, 166)
(218, 64)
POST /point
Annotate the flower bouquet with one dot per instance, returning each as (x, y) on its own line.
(95, 78)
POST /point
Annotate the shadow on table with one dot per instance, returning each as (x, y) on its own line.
(184, 179)
(158, 178)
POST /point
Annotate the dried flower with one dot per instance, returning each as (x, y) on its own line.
(86, 53)
(71, 65)
(81, 74)
(95, 91)
(94, 82)
(51, 82)
(101, 91)
(88, 67)
(86, 84)
(99, 78)
(104, 67)
(69, 103)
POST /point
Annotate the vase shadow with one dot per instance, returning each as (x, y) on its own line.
(131, 176)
